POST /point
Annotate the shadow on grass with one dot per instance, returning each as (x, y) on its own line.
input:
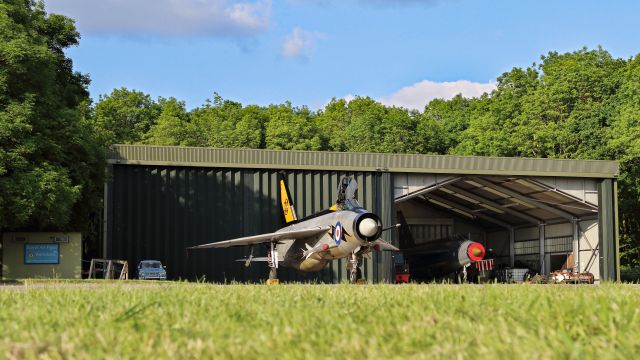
(10, 282)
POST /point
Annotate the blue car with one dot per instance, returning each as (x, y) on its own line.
(151, 270)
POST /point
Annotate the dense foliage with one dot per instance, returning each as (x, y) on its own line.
(583, 104)
(49, 157)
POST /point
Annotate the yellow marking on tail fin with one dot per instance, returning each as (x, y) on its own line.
(287, 207)
(334, 207)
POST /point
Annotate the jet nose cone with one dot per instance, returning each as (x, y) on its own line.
(368, 227)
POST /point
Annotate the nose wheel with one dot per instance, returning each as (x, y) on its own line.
(355, 274)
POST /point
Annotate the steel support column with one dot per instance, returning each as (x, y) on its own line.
(386, 206)
(616, 228)
(576, 245)
(543, 269)
(607, 225)
(512, 241)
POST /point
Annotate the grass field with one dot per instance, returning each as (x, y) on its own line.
(189, 320)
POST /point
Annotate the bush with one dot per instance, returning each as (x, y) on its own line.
(630, 274)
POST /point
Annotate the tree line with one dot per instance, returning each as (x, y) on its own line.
(583, 104)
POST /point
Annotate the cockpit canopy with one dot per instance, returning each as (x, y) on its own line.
(347, 194)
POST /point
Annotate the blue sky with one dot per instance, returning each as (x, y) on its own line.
(401, 52)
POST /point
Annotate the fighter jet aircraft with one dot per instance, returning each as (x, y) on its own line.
(439, 258)
(346, 230)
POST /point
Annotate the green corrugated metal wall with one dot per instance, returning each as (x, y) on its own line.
(155, 212)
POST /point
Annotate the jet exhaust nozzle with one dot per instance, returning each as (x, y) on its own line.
(476, 251)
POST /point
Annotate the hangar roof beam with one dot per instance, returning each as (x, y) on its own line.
(455, 205)
(521, 197)
(427, 189)
(546, 189)
(486, 201)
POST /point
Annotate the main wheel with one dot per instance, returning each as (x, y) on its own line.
(353, 275)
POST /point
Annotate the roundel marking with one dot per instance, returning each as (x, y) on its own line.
(337, 233)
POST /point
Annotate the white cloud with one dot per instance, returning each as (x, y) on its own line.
(300, 44)
(349, 97)
(166, 17)
(418, 95)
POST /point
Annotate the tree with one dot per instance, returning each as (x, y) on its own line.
(441, 124)
(290, 128)
(361, 135)
(225, 123)
(573, 101)
(493, 119)
(48, 156)
(624, 145)
(172, 126)
(559, 108)
(397, 132)
(250, 130)
(332, 123)
(126, 116)
(376, 128)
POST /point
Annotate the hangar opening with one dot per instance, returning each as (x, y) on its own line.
(541, 214)
(539, 223)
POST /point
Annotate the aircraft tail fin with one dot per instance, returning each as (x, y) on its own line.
(405, 235)
(288, 210)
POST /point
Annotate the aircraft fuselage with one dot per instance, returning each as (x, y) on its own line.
(357, 228)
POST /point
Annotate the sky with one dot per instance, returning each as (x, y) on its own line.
(399, 52)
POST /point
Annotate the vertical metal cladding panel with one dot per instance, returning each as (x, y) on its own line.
(385, 200)
(607, 224)
(158, 211)
(616, 218)
(108, 213)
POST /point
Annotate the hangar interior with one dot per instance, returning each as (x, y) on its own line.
(541, 223)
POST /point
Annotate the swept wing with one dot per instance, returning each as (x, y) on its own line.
(265, 238)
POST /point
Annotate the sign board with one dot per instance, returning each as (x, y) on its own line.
(59, 239)
(41, 253)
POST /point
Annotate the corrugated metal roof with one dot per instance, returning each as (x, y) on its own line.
(324, 160)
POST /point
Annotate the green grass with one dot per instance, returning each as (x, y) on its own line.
(188, 320)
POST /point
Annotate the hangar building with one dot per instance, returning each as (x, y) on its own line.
(546, 214)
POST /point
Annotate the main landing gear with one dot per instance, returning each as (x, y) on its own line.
(273, 265)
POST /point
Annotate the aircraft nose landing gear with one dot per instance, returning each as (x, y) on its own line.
(355, 274)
